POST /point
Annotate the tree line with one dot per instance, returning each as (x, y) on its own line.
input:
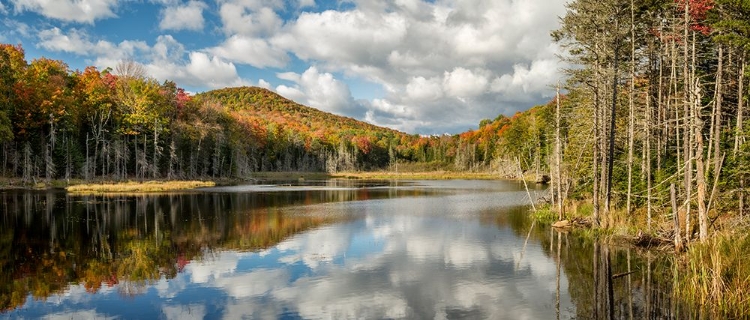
(653, 121)
(119, 124)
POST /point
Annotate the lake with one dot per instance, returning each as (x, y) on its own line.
(324, 249)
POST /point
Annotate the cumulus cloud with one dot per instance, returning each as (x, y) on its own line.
(421, 89)
(464, 83)
(264, 84)
(437, 59)
(344, 39)
(320, 90)
(250, 17)
(183, 17)
(84, 11)
(306, 3)
(252, 51)
(78, 42)
(165, 60)
(212, 70)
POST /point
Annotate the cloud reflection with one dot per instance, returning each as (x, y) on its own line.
(404, 259)
(429, 256)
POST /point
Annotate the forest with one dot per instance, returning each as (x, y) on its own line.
(665, 85)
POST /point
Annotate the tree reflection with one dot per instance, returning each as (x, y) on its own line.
(50, 240)
(604, 281)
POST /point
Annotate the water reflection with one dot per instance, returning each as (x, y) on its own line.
(440, 249)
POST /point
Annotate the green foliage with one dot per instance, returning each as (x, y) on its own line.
(545, 214)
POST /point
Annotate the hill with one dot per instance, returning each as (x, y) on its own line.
(272, 107)
(283, 135)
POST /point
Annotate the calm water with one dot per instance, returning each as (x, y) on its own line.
(315, 249)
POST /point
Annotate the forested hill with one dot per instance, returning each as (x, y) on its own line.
(282, 135)
(270, 107)
(56, 123)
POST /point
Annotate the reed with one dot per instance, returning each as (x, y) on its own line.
(134, 187)
(716, 275)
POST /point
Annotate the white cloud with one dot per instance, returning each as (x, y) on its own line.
(168, 48)
(74, 42)
(165, 60)
(438, 59)
(401, 111)
(185, 17)
(77, 41)
(212, 72)
(250, 17)
(84, 11)
(253, 51)
(264, 84)
(526, 81)
(306, 3)
(421, 89)
(293, 93)
(464, 83)
(318, 89)
(348, 38)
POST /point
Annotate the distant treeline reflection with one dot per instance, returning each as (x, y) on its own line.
(50, 240)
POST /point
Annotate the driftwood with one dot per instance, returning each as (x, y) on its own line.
(646, 240)
(574, 223)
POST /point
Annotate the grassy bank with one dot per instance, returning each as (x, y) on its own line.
(715, 275)
(132, 186)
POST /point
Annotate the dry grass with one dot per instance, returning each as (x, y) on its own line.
(135, 187)
(716, 275)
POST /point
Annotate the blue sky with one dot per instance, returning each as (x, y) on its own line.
(419, 66)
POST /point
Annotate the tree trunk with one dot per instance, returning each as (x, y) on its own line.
(597, 137)
(631, 113)
(647, 166)
(700, 169)
(740, 99)
(675, 218)
(715, 137)
(612, 121)
(687, 133)
(558, 156)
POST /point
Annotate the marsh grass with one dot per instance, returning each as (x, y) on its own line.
(135, 187)
(716, 275)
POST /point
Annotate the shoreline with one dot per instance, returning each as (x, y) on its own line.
(150, 185)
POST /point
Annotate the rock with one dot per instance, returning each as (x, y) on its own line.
(561, 224)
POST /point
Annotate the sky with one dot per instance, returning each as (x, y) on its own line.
(418, 66)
